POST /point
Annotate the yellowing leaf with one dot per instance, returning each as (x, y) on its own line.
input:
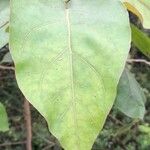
(141, 8)
(68, 62)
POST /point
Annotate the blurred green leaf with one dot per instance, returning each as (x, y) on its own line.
(4, 36)
(145, 128)
(3, 119)
(141, 40)
(130, 97)
(4, 19)
(4, 12)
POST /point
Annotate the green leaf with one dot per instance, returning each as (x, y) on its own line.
(141, 8)
(141, 40)
(4, 18)
(66, 62)
(3, 119)
(130, 97)
(144, 128)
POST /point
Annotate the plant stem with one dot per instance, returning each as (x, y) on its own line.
(7, 67)
(11, 144)
(27, 115)
(138, 61)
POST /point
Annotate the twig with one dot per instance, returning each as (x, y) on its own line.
(125, 128)
(6, 23)
(115, 120)
(27, 115)
(48, 147)
(15, 143)
(45, 139)
(139, 61)
(7, 67)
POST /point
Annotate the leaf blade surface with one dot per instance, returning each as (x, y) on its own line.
(61, 62)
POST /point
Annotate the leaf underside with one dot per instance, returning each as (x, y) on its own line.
(68, 62)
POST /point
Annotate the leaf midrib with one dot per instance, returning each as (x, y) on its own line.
(67, 13)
